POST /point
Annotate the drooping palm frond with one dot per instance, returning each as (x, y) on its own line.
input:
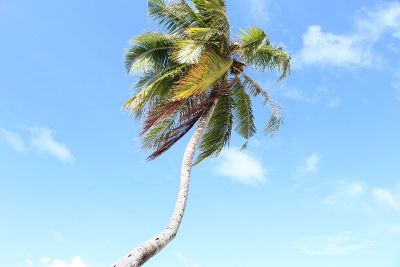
(267, 57)
(174, 123)
(156, 86)
(219, 129)
(243, 112)
(148, 51)
(203, 75)
(275, 120)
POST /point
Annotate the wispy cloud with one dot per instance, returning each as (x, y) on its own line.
(13, 139)
(38, 140)
(316, 95)
(311, 163)
(347, 192)
(354, 49)
(241, 167)
(42, 138)
(258, 9)
(339, 244)
(387, 198)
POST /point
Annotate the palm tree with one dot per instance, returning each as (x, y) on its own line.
(193, 73)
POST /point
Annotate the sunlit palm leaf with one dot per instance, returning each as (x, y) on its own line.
(148, 51)
(213, 14)
(252, 39)
(201, 76)
(187, 51)
(170, 16)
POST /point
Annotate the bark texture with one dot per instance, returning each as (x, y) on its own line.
(138, 256)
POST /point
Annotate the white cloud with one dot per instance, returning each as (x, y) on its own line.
(387, 198)
(45, 260)
(354, 49)
(339, 244)
(241, 167)
(312, 163)
(258, 9)
(39, 139)
(347, 192)
(76, 262)
(42, 139)
(327, 48)
(13, 139)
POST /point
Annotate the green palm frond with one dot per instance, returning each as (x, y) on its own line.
(213, 14)
(187, 51)
(275, 120)
(172, 17)
(252, 39)
(203, 75)
(206, 34)
(267, 57)
(243, 112)
(149, 51)
(218, 131)
(153, 86)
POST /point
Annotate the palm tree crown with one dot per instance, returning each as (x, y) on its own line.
(193, 66)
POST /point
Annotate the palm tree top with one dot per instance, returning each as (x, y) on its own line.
(195, 65)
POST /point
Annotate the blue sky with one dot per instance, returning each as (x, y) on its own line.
(75, 188)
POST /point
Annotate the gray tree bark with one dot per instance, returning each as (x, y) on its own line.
(138, 256)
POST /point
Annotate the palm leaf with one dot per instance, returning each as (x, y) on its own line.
(170, 16)
(154, 85)
(218, 131)
(203, 75)
(168, 131)
(149, 51)
(243, 112)
(252, 39)
(267, 57)
(213, 14)
(275, 120)
(187, 51)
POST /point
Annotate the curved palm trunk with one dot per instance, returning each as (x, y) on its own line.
(151, 247)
